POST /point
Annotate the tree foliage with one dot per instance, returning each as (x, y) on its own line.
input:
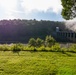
(17, 30)
(36, 43)
(49, 41)
(32, 42)
(39, 42)
(69, 9)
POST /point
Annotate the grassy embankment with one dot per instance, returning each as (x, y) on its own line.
(37, 63)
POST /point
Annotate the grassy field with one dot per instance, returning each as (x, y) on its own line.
(37, 63)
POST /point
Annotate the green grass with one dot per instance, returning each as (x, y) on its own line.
(37, 63)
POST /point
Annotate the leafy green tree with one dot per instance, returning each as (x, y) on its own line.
(39, 42)
(49, 41)
(69, 9)
(32, 42)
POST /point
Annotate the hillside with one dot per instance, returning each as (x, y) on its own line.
(17, 30)
(22, 30)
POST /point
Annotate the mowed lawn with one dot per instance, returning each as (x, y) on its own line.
(37, 63)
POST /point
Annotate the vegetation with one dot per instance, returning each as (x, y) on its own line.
(32, 42)
(39, 42)
(38, 57)
(49, 41)
(15, 31)
(39, 45)
(16, 48)
(69, 9)
(37, 63)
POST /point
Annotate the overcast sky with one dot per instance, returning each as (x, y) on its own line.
(31, 9)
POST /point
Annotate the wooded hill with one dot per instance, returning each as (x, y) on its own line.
(22, 30)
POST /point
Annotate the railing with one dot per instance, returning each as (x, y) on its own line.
(67, 35)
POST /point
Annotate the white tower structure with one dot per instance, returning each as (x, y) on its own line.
(57, 29)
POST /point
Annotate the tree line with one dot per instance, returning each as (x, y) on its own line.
(18, 30)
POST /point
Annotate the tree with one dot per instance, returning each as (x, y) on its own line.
(69, 9)
(39, 42)
(49, 41)
(32, 42)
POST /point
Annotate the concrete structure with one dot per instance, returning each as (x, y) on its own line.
(57, 29)
(67, 35)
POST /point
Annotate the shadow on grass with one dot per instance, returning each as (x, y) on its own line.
(67, 53)
(17, 53)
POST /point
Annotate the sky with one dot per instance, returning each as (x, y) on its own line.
(31, 9)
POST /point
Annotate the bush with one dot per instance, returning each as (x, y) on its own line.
(42, 48)
(63, 50)
(56, 47)
(48, 48)
(32, 42)
(4, 47)
(17, 47)
(49, 41)
(32, 48)
(39, 42)
(36, 43)
(72, 48)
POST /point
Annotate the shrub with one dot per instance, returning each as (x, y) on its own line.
(42, 48)
(32, 42)
(63, 50)
(17, 47)
(27, 48)
(48, 48)
(49, 41)
(32, 48)
(4, 47)
(72, 48)
(56, 47)
(39, 42)
(1, 48)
